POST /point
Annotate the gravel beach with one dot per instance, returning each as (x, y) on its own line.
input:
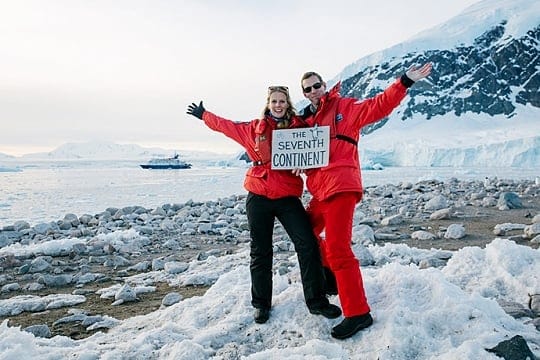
(428, 215)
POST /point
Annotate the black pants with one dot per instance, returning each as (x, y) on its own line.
(261, 213)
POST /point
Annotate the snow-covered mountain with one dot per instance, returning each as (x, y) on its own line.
(98, 151)
(112, 151)
(486, 61)
(6, 157)
(481, 104)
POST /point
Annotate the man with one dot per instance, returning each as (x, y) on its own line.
(338, 187)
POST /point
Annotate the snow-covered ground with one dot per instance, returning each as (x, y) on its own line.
(434, 313)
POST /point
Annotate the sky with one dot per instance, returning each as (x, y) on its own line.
(125, 71)
(444, 313)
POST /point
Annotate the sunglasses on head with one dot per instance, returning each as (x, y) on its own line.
(315, 86)
(280, 88)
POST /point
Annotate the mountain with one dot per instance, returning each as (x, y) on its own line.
(6, 157)
(93, 151)
(482, 94)
(489, 65)
(98, 151)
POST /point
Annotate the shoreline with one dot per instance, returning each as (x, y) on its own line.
(92, 190)
(463, 195)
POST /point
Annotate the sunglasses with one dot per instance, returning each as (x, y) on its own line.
(280, 88)
(315, 86)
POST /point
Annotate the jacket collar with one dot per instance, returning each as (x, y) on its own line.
(330, 95)
(334, 91)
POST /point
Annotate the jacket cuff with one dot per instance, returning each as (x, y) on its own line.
(406, 81)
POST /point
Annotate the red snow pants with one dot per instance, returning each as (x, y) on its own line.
(334, 216)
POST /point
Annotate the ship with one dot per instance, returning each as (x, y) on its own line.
(166, 163)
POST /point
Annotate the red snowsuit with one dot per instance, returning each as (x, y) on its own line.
(256, 138)
(338, 187)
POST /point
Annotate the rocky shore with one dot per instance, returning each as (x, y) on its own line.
(73, 277)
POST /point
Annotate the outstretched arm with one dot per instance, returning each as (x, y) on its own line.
(376, 108)
(239, 132)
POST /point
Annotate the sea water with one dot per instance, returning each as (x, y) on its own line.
(48, 191)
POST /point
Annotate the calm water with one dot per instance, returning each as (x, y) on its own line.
(47, 192)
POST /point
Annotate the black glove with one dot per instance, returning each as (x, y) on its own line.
(196, 110)
(406, 81)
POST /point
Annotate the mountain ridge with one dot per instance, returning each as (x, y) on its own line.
(104, 150)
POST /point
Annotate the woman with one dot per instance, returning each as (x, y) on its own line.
(273, 194)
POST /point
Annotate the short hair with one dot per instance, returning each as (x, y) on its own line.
(310, 74)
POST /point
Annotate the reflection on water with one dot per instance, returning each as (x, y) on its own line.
(43, 193)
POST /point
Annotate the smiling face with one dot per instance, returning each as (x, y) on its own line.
(314, 89)
(277, 104)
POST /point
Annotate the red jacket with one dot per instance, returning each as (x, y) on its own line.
(256, 138)
(346, 117)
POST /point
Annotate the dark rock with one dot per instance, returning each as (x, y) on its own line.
(9, 261)
(514, 349)
(39, 330)
(509, 200)
(515, 310)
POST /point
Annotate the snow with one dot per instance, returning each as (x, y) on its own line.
(521, 16)
(434, 313)
(50, 248)
(479, 140)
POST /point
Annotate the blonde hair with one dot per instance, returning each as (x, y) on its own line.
(284, 90)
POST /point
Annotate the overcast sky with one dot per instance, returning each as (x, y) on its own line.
(124, 71)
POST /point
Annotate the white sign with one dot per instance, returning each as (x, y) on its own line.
(301, 148)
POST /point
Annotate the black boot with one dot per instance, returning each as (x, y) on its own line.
(329, 311)
(351, 325)
(330, 282)
(261, 315)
